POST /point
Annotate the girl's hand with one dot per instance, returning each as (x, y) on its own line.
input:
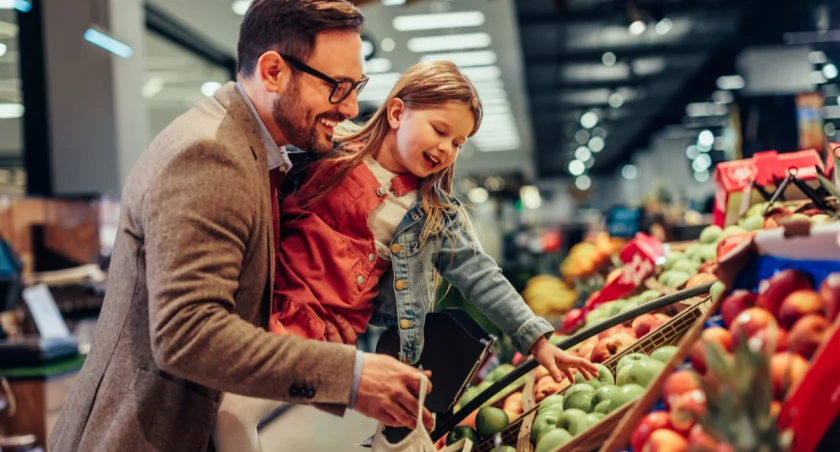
(559, 362)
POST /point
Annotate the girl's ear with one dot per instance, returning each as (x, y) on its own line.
(395, 112)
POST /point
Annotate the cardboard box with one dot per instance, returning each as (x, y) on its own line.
(733, 179)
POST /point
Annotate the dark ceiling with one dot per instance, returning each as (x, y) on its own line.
(654, 75)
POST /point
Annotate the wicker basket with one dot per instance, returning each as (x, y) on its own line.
(518, 432)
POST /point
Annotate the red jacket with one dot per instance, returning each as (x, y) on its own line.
(326, 256)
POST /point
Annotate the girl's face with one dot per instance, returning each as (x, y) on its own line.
(427, 140)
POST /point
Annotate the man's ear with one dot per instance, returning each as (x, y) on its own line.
(395, 111)
(273, 71)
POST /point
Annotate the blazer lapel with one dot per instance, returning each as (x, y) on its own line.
(232, 101)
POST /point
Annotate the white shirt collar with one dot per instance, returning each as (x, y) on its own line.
(277, 155)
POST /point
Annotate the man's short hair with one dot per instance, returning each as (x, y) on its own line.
(290, 27)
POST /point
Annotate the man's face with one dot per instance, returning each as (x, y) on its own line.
(304, 112)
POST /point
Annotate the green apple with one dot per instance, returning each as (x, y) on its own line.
(711, 234)
(605, 376)
(469, 394)
(604, 394)
(544, 423)
(649, 295)
(569, 418)
(641, 373)
(664, 354)
(820, 218)
(575, 388)
(752, 223)
(604, 407)
(672, 258)
(692, 250)
(685, 266)
(627, 393)
(581, 400)
(557, 339)
(708, 253)
(733, 230)
(508, 449)
(717, 290)
(499, 372)
(619, 306)
(553, 440)
(629, 359)
(484, 385)
(581, 380)
(550, 401)
(588, 421)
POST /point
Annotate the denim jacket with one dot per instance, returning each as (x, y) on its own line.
(464, 264)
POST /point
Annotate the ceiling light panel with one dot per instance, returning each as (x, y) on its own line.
(449, 42)
(417, 22)
(465, 59)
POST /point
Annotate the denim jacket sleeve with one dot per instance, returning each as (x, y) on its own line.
(463, 262)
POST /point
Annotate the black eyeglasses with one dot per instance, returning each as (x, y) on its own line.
(341, 88)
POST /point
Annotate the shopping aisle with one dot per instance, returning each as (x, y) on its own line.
(305, 429)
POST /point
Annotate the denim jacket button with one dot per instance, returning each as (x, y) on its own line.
(404, 324)
(400, 284)
(396, 248)
(360, 279)
(371, 257)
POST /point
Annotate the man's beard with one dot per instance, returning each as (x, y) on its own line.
(293, 119)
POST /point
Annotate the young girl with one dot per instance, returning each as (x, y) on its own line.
(366, 235)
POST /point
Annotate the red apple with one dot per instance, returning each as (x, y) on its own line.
(616, 330)
(799, 304)
(807, 335)
(686, 409)
(713, 335)
(587, 346)
(573, 319)
(781, 338)
(750, 322)
(772, 291)
(663, 440)
(679, 383)
(729, 244)
(607, 347)
(650, 422)
(786, 369)
(830, 292)
(698, 439)
(661, 319)
(737, 302)
(643, 323)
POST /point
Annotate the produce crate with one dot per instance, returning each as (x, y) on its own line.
(518, 432)
(814, 248)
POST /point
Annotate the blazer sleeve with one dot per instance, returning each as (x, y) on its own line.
(197, 216)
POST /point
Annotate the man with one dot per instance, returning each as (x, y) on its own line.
(192, 270)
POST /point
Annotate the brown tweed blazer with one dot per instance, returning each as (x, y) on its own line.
(187, 298)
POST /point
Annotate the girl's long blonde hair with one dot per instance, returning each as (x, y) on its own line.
(425, 85)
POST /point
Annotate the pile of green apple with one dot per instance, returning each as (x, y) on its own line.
(585, 403)
(680, 267)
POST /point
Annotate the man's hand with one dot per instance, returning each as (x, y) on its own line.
(339, 330)
(388, 392)
(559, 362)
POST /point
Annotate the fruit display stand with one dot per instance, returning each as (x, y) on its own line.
(668, 334)
(511, 433)
(774, 321)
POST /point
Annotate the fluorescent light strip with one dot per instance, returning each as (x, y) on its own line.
(377, 65)
(449, 42)
(482, 73)
(108, 43)
(416, 22)
(393, 2)
(465, 59)
(11, 111)
(20, 5)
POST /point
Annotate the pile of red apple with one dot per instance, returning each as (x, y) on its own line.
(788, 302)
